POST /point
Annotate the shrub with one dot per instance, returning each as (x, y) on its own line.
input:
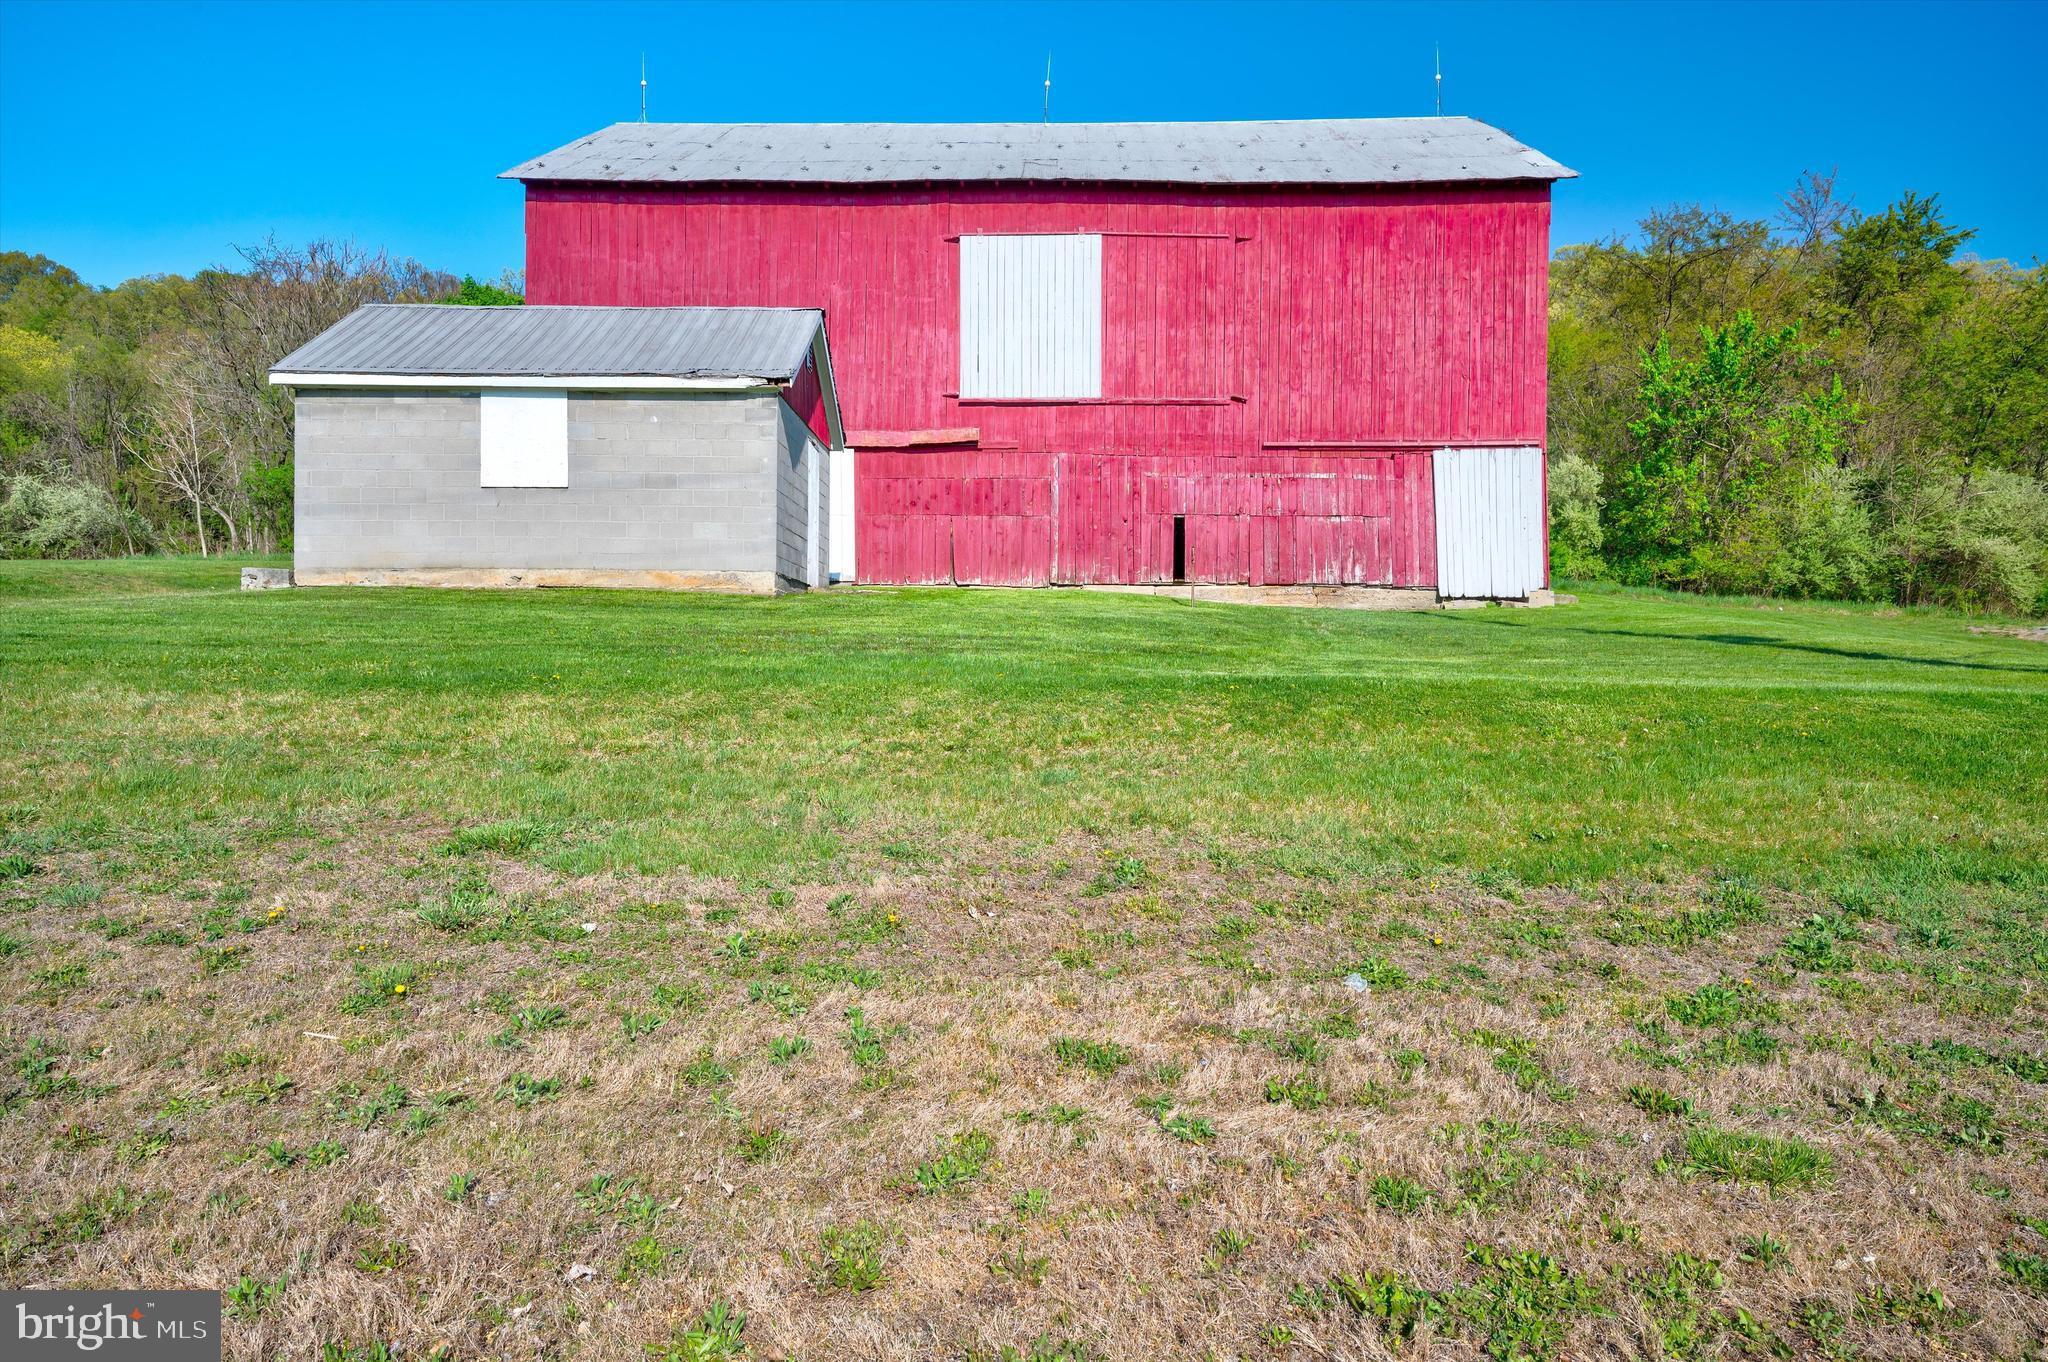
(1575, 536)
(54, 517)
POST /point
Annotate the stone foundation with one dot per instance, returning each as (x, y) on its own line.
(637, 579)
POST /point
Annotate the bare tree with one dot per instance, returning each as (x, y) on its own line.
(248, 321)
(1810, 213)
(190, 454)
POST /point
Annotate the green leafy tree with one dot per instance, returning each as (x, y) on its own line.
(1725, 446)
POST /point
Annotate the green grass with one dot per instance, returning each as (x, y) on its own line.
(151, 702)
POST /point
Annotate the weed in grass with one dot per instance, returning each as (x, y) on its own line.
(381, 985)
(1761, 1249)
(1101, 1058)
(504, 839)
(1657, 1102)
(706, 1071)
(680, 998)
(2028, 1269)
(1721, 1004)
(1516, 1057)
(1073, 1120)
(964, 1158)
(851, 1257)
(637, 1026)
(863, 1042)
(712, 1337)
(1381, 973)
(1672, 1297)
(17, 865)
(1189, 1129)
(1031, 1201)
(1026, 1269)
(1409, 1063)
(1228, 1245)
(388, 1101)
(1401, 1309)
(1959, 1120)
(358, 1211)
(251, 1296)
(1789, 1164)
(1121, 872)
(524, 1090)
(646, 1256)
(788, 1049)
(763, 1143)
(52, 984)
(459, 1187)
(386, 1256)
(1822, 945)
(1304, 1047)
(1401, 1195)
(1044, 1348)
(1948, 1056)
(24, 1238)
(1302, 1091)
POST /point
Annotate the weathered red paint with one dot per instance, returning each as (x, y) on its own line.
(1014, 519)
(806, 397)
(1244, 332)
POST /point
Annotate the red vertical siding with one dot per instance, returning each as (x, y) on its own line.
(806, 397)
(1238, 327)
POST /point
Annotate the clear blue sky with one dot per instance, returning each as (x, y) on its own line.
(146, 138)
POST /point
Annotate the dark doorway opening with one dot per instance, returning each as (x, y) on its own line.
(1180, 548)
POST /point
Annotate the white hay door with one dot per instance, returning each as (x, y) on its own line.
(1489, 523)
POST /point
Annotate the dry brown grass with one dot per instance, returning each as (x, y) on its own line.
(969, 972)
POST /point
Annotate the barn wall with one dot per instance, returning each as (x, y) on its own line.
(1241, 330)
(1252, 316)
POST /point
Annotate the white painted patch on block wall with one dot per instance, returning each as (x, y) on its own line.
(1031, 316)
(840, 548)
(523, 438)
(1489, 523)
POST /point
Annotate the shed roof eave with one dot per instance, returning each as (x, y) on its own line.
(571, 382)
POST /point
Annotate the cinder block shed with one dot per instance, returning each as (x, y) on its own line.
(674, 447)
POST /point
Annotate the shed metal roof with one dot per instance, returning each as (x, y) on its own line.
(434, 339)
(1307, 151)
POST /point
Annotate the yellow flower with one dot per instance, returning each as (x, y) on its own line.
(893, 919)
(398, 988)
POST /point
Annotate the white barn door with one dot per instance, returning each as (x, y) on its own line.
(839, 540)
(1489, 522)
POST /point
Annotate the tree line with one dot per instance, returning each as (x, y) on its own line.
(141, 418)
(1831, 404)
(1828, 404)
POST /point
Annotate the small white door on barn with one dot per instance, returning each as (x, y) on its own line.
(839, 548)
(1489, 522)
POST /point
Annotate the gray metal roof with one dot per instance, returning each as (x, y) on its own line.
(1308, 151)
(404, 339)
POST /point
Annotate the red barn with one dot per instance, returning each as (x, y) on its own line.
(1262, 354)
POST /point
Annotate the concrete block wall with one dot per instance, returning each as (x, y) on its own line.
(796, 450)
(388, 482)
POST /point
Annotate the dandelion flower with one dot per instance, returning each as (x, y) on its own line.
(398, 988)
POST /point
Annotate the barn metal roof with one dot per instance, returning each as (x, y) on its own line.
(435, 339)
(1308, 151)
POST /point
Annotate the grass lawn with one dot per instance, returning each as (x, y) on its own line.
(1046, 976)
